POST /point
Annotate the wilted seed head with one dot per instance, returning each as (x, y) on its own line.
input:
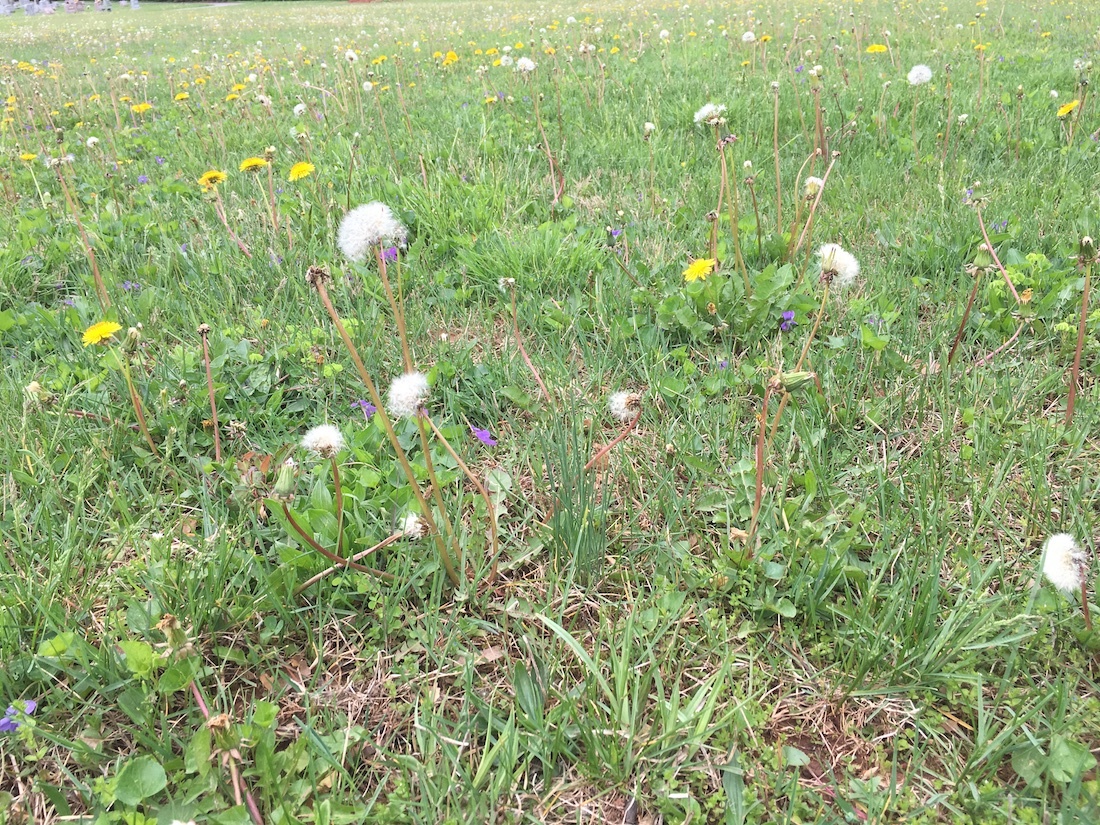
(838, 266)
(811, 186)
(648, 129)
(624, 405)
(1064, 563)
(1087, 251)
(366, 227)
(177, 645)
(324, 439)
(407, 394)
(36, 394)
(317, 275)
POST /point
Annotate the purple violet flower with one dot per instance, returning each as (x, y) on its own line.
(389, 254)
(788, 321)
(159, 160)
(484, 436)
(9, 721)
(366, 406)
(143, 179)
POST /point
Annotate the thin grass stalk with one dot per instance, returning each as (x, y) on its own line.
(522, 349)
(494, 540)
(386, 542)
(978, 271)
(100, 287)
(317, 279)
(610, 445)
(993, 252)
(328, 554)
(204, 332)
(775, 153)
(1075, 370)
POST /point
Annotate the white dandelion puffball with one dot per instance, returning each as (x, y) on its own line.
(92, 142)
(351, 56)
(299, 110)
(367, 226)
(748, 37)
(838, 263)
(407, 394)
(368, 86)
(1064, 563)
(525, 65)
(811, 186)
(664, 34)
(506, 60)
(1053, 94)
(624, 405)
(919, 75)
(413, 527)
(649, 128)
(710, 114)
(324, 439)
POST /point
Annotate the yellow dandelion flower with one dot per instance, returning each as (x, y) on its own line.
(877, 48)
(302, 169)
(450, 59)
(548, 50)
(182, 96)
(1069, 107)
(252, 164)
(230, 97)
(124, 99)
(699, 269)
(141, 108)
(212, 178)
(27, 157)
(765, 38)
(238, 87)
(437, 55)
(99, 332)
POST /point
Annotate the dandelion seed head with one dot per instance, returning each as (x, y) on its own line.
(919, 75)
(324, 439)
(1064, 563)
(624, 405)
(407, 394)
(838, 265)
(365, 227)
(413, 527)
(710, 114)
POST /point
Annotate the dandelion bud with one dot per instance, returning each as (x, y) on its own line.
(269, 154)
(286, 481)
(1088, 250)
(794, 381)
(982, 258)
(133, 339)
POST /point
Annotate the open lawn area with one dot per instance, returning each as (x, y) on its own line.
(534, 412)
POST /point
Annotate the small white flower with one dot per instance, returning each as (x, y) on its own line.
(624, 405)
(1064, 563)
(811, 186)
(413, 527)
(324, 439)
(710, 114)
(407, 394)
(525, 65)
(919, 75)
(837, 264)
(92, 142)
(748, 37)
(367, 226)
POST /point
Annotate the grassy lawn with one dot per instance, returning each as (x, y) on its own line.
(697, 463)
